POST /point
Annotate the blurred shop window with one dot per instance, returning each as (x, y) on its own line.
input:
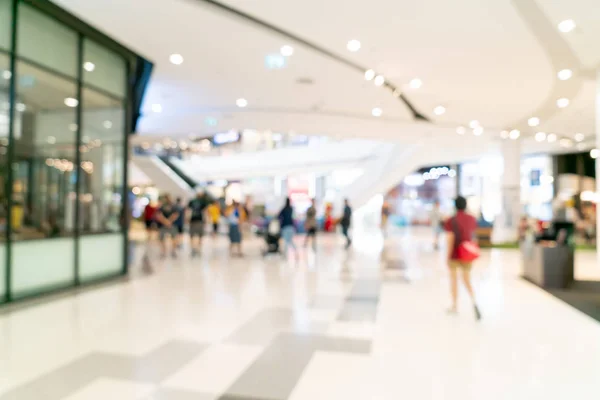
(104, 70)
(4, 125)
(5, 27)
(102, 157)
(58, 49)
(43, 168)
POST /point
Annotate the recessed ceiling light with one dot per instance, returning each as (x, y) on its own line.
(416, 83)
(540, 136)
(71, 102)
(396, 93)
(51, 139)
(562, 103)
(478, 131)
(533, 121)
(565, 74)
(21, 107)
(567, 25)
(286, 50)
(241, 103)
(461, 130)
(439, 110)
(551, 138)
(594, 153)
(89, 66)
(566, 143)
(369, 74)
(84, 139)
(107, 124)
(379, 80)
(6, 75)
(579, 137)
(353, 45)
(157, 108)
(504, 134)
(474, 124)
(377, 112)
(514, 134)
(176, 59)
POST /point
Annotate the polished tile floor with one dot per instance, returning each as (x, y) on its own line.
(367, 324)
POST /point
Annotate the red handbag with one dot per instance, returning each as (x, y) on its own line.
(466, 250)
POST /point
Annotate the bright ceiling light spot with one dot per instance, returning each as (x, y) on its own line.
(551, 138)
(21, 107)
(6, 75)
(461, 130)
(107, 124)
(504, 134)
(71, 102)
(241, 103)
(562, 103)
(579, 137)
(396, 93)
(567, 25)
(286, 50)
(416, 83)
(565, 74)
(353, 45)
(377, 112)
(89, 66)
(157, 108)
(474, 124)
(439, 110)
(533, 121)
(594, 153)
(478, 131)
(176, 59)
(379, 80)
(51, 139)
(514, 134)
(369, 74)
(566, 142)
(73, 128)
(540, 136)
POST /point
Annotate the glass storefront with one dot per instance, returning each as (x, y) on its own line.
(65, 115)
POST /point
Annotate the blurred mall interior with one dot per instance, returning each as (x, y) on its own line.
(148, 148)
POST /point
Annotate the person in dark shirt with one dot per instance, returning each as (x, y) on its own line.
(197, 207)
(346, 221)
(459, 229)
(286, 219)
(179, 222)
(311, 225)
(166, 216)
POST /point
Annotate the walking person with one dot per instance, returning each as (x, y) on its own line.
(435, 218)
(345, 222)
(286, 219)
(214, 213)
(459, 230)
(167, 215)
(310, 225)
(197, 207)
(179, 222)
(235, 217)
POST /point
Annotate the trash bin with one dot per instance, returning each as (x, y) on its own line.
(549, 265)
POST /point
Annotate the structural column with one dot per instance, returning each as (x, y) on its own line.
(597, 164)
(506, 225)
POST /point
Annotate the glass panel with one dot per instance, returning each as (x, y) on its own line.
(103, 69)
(47, 42)
(102, 152)
(43, 191)
(5, 25)
(100, 256)
(4, 125)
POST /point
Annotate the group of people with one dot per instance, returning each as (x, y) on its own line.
(169, 219)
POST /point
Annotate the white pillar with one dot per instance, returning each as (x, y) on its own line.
(506, 225)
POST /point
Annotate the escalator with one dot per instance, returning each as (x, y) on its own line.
(189, 181)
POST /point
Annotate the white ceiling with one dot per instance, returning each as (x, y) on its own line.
(494, 61)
